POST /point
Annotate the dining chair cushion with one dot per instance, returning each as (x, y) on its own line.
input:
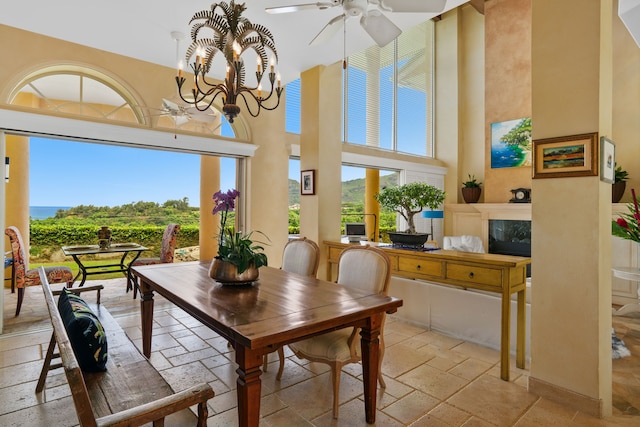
(85, 331)
(330, 346)
(55, 274)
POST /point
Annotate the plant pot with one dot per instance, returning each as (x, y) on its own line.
(471, 194)
(227, 274)
(407, 239)
(617, 191)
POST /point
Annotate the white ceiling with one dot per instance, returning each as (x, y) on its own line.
(142, 29)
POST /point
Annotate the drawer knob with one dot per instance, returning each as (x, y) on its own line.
(418, 267)
(471, 275)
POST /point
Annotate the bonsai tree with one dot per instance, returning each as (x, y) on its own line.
(410, 199)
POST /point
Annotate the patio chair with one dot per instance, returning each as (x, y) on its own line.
(360, 267)
(23, 277)
(300, 256)
(168, 246)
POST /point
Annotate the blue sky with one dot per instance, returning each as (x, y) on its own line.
(64, 173)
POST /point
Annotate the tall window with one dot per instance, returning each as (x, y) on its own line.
(388, 94)
(292, 107)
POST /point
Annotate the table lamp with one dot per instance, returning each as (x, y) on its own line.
(431, 215)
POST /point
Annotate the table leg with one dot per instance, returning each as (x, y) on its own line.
(249, 362)
(82, 271)
(146, 314)
(126, 268)
(505, 335)
(521, 329)
(370, 345)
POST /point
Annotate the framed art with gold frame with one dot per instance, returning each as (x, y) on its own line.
(566, 156)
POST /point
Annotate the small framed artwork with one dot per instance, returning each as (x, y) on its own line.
(307, 182)
(607, 160)
(566, 156)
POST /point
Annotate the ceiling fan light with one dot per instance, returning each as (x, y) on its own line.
(380, 28)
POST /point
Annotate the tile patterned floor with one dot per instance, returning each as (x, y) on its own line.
(432, 379)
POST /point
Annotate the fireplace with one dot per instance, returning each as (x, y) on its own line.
(510, 237)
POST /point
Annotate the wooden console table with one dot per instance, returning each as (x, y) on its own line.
(502, 274)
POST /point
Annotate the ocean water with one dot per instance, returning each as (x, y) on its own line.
(44, 212)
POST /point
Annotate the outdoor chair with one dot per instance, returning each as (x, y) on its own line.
(300, 256)
(361, 267)
(167, 248)
(22, 276)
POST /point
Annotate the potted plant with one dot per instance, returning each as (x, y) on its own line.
(239, 257)
(408, 200)
(471, 190)
(619, 183)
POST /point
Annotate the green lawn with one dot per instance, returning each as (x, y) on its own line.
(74, 267)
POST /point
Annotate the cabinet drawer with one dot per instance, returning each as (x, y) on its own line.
(420, 266)
(475, 275)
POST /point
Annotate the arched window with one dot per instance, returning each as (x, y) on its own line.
(77, 91)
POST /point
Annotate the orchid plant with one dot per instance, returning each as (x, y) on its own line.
(234, 247)
(628, 225)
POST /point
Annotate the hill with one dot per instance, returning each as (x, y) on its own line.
(352, 191)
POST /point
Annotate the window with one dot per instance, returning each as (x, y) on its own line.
(292, 107)
(388, 94)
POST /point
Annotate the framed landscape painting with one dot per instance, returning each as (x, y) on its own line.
(511, 143)
(566, 156)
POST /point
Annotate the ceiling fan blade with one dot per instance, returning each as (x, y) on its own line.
(169, 105)
(298, 7)
(180, 119)
(421, 6)
(328, 31)
(379, 27)
(207, 116)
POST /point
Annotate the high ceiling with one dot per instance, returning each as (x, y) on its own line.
(142, 29)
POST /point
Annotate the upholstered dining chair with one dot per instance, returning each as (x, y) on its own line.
(167, 248)
(22, 276)
(300, 256)
(362, 267)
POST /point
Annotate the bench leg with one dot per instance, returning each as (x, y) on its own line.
(47, 364)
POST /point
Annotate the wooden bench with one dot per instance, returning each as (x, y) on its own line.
(131, 392)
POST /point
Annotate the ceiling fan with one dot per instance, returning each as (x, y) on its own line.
(182, 114)
(380, 28)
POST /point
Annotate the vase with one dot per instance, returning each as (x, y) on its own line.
(408, 239)
(227, 274)
(617, 191)
(104, 237)
(471, 194)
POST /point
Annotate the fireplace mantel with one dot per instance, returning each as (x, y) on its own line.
(473, 218)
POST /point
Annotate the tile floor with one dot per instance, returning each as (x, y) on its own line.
(432, 379)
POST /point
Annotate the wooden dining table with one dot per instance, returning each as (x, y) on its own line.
(277, 309)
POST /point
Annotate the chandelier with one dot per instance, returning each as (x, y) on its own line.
(223, 30)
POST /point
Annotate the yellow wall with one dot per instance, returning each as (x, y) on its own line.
(467, 101)
(571, 243)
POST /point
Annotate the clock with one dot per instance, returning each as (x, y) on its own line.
(521, 195)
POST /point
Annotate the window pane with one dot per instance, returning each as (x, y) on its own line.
(388, 94)
(292, 106)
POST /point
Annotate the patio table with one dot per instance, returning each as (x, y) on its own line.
(125, 248)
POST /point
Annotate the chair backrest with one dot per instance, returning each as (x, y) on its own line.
(366, 268)
(17, 250)
(169, 240)
(301, 256)
(463, 243)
